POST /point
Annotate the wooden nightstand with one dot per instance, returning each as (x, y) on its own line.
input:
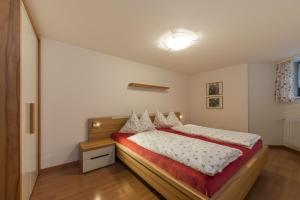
(96, 154)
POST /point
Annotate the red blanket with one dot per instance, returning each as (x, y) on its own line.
(207, 185)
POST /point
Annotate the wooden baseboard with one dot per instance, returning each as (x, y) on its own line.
(272, 145)
(58, 167)
(285, 147)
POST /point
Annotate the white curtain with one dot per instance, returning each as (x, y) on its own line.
(285, 85)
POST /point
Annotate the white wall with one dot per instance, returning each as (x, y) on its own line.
(265, 115)
(29, 94)
(78, 84)
(234, 115)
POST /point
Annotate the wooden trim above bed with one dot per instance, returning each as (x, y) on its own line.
(147, 86)
(109, 125)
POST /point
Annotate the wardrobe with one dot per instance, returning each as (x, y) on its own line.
(19, 102)
(29, 108)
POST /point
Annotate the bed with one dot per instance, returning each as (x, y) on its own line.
(178, 181)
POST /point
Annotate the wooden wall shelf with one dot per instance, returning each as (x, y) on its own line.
(146, 86)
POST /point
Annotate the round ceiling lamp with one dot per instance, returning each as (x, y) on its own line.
(178, 40)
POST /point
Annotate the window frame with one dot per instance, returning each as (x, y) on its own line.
(298, 78)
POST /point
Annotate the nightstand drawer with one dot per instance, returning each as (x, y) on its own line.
(98, 162)
(98, 152)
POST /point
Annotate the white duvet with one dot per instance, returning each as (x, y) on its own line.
(208, 158)
(240, 138)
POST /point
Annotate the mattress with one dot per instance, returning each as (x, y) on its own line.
(206, 184)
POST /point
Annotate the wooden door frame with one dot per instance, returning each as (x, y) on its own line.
(10, 99)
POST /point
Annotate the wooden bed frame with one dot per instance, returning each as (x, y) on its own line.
(236, 187)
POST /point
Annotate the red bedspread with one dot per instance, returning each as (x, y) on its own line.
(207, 185)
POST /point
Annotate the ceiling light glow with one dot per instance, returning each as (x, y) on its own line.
(178, 40)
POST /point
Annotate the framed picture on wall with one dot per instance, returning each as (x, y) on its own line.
(215, 88)
(215, 102)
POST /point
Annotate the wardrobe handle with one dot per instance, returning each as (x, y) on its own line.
(32, 118)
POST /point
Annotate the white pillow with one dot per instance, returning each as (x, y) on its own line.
(132, 125)
(146, 123)
(173, 120)
(160, 121)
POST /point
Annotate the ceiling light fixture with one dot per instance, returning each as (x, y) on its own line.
(178, 40)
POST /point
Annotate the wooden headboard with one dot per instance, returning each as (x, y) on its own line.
(109, 125)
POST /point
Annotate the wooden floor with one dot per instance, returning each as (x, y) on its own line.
(280, 180)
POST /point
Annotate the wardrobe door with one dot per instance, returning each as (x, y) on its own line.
(29, 106)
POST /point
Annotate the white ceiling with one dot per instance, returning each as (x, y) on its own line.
(234, 31)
